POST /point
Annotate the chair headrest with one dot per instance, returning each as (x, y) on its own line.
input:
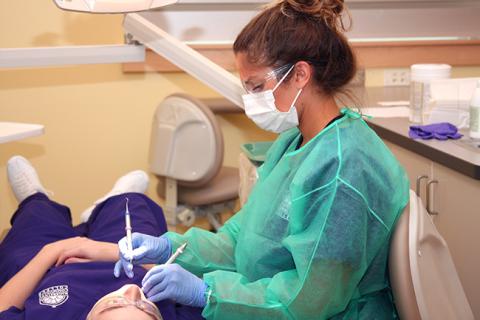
(186, 141)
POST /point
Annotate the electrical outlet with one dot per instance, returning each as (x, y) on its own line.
(396, 77)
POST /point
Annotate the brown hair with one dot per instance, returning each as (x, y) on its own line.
(288, 31)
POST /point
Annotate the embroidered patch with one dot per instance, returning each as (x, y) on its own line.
(53, 296)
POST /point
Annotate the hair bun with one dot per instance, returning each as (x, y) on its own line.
(330, 11)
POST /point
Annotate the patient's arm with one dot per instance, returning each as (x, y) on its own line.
(21, 286)
(89, 250)
(93, 251)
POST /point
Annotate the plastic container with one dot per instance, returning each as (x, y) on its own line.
(256, 151)
(251, 158)
(420, 77)
(450, 101)
(475, 114)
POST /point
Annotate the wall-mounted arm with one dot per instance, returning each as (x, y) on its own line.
(59, 56)
(184, 57)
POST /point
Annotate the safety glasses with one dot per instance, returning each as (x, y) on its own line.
(256, 86)
(121, 301)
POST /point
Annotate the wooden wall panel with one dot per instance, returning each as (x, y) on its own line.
(369, 54)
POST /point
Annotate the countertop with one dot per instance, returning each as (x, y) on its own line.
(460, 155)
(12, 131)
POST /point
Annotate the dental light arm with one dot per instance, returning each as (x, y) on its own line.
(141, 30)
(184, 57)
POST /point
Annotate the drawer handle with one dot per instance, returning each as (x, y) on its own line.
(419, 181)
(429, 190)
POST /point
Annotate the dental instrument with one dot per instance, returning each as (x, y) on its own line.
(176, 254)
(128, 229)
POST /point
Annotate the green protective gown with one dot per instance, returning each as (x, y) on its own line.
(312, 241)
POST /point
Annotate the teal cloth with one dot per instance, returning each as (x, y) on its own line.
(312, 241)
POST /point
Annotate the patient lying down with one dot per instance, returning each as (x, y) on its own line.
(50, 269)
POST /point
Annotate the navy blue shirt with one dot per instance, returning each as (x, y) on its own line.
(70, 291)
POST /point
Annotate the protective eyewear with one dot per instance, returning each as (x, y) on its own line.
(256, 86)
(121, 301)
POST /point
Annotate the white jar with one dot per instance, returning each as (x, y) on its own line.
(420, 77)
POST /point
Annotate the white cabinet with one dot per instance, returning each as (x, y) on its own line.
(414, 164)
(456, 198)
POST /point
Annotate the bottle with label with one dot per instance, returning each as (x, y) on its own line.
(475, 114)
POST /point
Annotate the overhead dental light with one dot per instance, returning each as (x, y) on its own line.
(111, 6)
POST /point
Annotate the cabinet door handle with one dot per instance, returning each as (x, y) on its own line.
(419, 181)
(429, 207)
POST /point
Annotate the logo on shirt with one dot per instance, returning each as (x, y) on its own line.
(53, 296)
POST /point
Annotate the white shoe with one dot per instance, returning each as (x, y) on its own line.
(135, 181)
(23, 178)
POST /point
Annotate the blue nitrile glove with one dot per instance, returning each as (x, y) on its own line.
(146, 249)
(440, 131)
(171, 281)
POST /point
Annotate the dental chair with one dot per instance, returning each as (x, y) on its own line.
(186, 153)
(423, 277)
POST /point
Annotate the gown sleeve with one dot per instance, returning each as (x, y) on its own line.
(334, 237)
(208, 251)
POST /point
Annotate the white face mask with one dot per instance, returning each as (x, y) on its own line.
(261, 108)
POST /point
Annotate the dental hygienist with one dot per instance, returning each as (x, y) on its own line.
(313, 239)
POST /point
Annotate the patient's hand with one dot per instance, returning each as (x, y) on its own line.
(85, 250)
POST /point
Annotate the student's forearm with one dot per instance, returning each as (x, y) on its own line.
(107, 251)
(89, 250)
(21, 286)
